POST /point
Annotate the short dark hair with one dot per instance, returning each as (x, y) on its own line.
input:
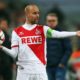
(52, 14)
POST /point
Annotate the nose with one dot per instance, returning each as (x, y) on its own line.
(37, 15)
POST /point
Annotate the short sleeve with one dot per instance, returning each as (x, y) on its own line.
(14, 40)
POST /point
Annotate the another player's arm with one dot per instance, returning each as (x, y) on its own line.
(14, 50)
(59, 34)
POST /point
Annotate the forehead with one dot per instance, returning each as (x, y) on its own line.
(51, 17)
(33, 9)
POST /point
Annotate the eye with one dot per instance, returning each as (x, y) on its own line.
(36, 13)
(51, 20)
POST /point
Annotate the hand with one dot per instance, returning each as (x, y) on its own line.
(0, 47)
(61, 65)
(78, 33)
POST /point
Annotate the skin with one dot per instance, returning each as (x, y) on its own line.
(4, 25)
(32, 14)
(52, 21)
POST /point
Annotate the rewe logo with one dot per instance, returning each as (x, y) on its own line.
(31, 40)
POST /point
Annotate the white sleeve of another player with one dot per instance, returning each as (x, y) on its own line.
(14, 44)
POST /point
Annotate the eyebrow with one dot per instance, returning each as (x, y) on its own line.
(51, 20)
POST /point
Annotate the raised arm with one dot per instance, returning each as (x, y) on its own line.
(49, 33)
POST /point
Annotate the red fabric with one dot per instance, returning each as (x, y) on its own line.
(75, 54)
(32, 38)
(15, 46)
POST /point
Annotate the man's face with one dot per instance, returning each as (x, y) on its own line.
(4, 25)
(52, 21)
(33, 14)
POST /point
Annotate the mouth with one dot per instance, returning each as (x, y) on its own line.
(37, 18)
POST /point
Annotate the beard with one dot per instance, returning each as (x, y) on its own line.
(34, 22)
(30, 21)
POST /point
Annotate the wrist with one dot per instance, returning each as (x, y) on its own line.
(1, 47)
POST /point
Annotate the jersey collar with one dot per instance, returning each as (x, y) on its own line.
(29, 26)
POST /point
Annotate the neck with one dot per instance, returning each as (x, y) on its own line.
(28, 22)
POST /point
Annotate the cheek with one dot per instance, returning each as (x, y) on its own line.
(32, 17)
(29, 16)
(52, 23)
(55, 23)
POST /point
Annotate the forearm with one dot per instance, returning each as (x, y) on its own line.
(59, 34)
(12, 52)
(63, 34)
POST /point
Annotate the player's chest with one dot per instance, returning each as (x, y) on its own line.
(35, 36)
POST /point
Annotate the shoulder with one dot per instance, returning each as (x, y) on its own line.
(40, 26)
(45, 27)
(18, 29)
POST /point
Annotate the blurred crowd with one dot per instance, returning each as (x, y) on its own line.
(11, 13)
(11, 16)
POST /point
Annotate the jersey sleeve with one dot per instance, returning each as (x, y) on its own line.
(45, 30)
(14, 40)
